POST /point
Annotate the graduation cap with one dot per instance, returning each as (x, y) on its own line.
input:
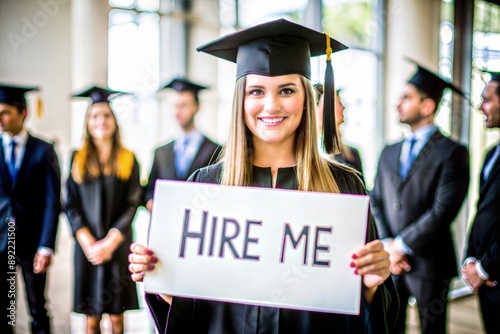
(14, 94)
(431, 83)
(99, 94)
(183, 85)
(282, 47)
(495, 76)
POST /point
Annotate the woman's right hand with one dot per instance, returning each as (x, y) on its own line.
(141, 259)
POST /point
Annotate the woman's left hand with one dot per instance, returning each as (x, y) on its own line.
(100, 252)
(372, 263)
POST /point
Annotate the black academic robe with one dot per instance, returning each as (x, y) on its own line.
(354, 162)
(164, 164)
(202, 316)
(100, 205)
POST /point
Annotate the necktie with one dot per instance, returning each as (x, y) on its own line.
(490, 163)
(12, 162)
(407, 162)
(181, 160)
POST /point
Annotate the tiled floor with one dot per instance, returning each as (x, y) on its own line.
(463, 314)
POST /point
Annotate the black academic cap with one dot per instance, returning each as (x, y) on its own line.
(99, 94)
(273, 48)
(14, 94)
(282, 47)
(495, 76)
(431, 83)
(183, 85)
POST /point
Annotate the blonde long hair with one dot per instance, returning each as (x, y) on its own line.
(313, 171)
(86, 165)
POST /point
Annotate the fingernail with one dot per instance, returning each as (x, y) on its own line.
(149, 252)
(354, 256)
(356, 272)
(154, 259)
(494, 283)
(352, 265)
(151, 266)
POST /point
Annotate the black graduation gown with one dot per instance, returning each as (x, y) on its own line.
(202, 316)
(100, 205)
(354, 162)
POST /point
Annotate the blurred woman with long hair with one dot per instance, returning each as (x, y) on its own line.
(103, 193)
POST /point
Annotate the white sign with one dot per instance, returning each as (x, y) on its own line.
(261, 246)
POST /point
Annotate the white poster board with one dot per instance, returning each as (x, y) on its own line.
(262, 246)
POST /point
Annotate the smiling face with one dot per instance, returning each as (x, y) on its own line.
(490, 106)
(273, 107)
(101, 122)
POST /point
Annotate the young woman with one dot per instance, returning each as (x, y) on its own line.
(273, 143)
(103, 193)
(347, 154)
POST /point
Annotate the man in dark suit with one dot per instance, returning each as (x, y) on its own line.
(191, 150)
(178, 159)
(482, 264)
(420, 186)
(30, 184)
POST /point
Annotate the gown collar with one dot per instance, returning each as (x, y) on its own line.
(286, 178)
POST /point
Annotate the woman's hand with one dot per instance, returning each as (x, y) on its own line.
(141, 259)
(86, 241)
(372, 263)
(100, 252)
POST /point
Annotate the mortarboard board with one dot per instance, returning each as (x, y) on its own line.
(99, 94)
(183, 85)
(495, 76)
(274, 48)
(431, 83)
(14, 94)
(282, 47)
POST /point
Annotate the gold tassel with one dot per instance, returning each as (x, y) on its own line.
(328, 50)
(39, 108)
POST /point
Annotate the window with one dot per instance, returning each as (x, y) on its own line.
(355, 24)
(133, 66)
